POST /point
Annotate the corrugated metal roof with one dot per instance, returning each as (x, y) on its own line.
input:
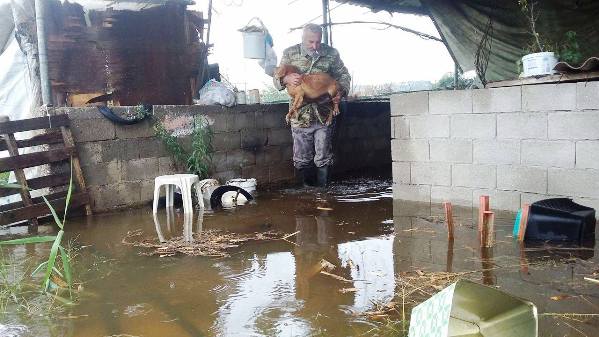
(133, 5)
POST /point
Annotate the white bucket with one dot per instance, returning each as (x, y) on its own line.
(538, 64)
(254, 45)
(247, 184)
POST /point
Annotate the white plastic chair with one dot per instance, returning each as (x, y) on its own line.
(185, 183)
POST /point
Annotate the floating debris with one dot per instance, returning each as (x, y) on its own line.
(213, 243)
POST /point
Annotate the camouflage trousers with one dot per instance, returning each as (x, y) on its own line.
(312, 145)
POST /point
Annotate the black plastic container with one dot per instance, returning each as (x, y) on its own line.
(560, 220)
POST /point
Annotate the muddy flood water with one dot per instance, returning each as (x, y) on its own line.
(273, 288)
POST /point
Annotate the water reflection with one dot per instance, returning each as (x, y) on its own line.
(171, 224)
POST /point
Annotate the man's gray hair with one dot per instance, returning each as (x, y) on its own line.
(314, 28)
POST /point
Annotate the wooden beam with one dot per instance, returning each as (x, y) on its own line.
(40, 182)
(41, 209)
(449, 219)
(35, 159)
(523, 222)
(13, 150)
(67, 137)
(484, 206)
(43, 139)
(34, 124)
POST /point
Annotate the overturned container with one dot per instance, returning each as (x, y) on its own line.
(467, 308)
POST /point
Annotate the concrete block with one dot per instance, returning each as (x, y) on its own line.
(260, 173)
(409, 150)
(447, 102)
(281, 173)
(223, 176)
(139, 169)
(522, 178)
(400, 128)
(549, 97)
(152, 147)
(587, 154)
(401, 172)
(589, 202)
(507, 99)
(253, 138)
(226, 141)
(458, 196)
(419, 193)
(89, 153)
(469, 175)
(102, 173)
(574, 125)
(219, 161)
(115, 196)
(473, 126)
(279, 137)
(451, 150)
(496, 152)
(245, 120)
(413, 103)
(147, 191)
(431, 174)
(574, 183)
(522, 126)
(273, 120)
(499, 200)
(240, 158)
(548, 153)
(140, 130)
(90, 130)
(587, 95)
(429, 126)
(166, 165)
(529, 198)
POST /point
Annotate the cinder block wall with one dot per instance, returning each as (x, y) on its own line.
(120, 161)
(516, 144)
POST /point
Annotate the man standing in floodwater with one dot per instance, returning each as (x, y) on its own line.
(312, 147)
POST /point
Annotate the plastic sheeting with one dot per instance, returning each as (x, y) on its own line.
(461, 23)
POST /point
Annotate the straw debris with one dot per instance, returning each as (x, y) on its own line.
(212, 243)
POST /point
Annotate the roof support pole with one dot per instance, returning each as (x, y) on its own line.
(325, 21)
(42, 49)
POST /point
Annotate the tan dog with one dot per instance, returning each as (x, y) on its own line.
(312, 87)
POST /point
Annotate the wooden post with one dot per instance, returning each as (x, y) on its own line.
(484, 206)
(449, 262)
(488, 232)
(67, 137)
(523, 222)
(13, 150)
(449, 219)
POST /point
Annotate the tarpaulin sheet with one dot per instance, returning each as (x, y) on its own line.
(462, 23)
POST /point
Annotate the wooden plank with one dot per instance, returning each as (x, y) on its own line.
(449, 219)
(41, 209)
(69, 142)
(46, 138)
(40, 182)
(36, 200)
(13, 150)
(35, 159)
(34, 124)
(559, 78)
(484, 207)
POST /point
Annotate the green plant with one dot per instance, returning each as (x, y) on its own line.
(447, 82)
(4, 177)
(53, 276)
(201, 148)
(569, 49)
(197, 161)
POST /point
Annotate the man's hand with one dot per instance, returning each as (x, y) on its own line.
(292, 79)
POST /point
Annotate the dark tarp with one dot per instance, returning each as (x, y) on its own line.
(462, 23)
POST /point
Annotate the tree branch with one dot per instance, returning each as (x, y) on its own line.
(389, 25)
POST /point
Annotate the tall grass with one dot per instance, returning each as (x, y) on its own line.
(56, 276)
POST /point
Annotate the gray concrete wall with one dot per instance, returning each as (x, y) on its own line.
(120, 162)
(516, 144)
